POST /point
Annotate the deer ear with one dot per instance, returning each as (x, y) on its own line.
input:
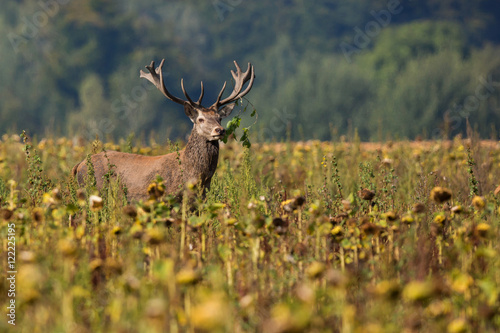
(226, 110)
(190, 112)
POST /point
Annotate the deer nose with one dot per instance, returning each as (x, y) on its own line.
(219, 131)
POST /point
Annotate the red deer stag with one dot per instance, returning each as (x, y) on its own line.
(198, 160)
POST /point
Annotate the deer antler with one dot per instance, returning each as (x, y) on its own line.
(240, 79)
(155, 76)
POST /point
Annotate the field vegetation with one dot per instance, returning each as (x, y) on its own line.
(293, 236)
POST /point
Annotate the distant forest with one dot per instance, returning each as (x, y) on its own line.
(324, 69)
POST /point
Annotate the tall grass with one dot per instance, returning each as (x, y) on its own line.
(300, 236)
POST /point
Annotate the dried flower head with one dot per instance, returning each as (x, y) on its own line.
(95, 264)
(388, 289)
(408, 219)
(56, 195)
(27, 256)
(391, 216)
(458, 325)
(293, 204)
(418, 208)
(6, 214)
(38, 215)
(346, 204)
(280, 225)
(211, 314)
(370, 228)
(130, 211)
(416, 291)
(315, 270)
(187, 276)
(155, 308)
(156, 190)
(439, 219)
(153, 236)
(440, 194)
(366, 194)
(96, 203)
(80, 195)
(67, 247)
(482, 229)
(478, 202)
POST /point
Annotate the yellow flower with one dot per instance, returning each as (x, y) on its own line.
(337, 230)
(482, 229)
(457, 326)
(439, 219)
(388, 289)
(187, 276)
(210, 315)
(478, 202)
(407, 219)
(315, 270)
(67, 247)
(418, 291)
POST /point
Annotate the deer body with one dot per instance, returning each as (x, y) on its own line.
(196, 163)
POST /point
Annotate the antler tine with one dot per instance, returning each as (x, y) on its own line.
(239, 81)
(155, 76)
(250, 84)
(217, 102)
(201, 94)
(185, 93)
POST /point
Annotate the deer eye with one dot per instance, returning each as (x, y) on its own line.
(201, 120)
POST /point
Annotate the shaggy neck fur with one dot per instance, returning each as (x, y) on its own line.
(200, 159)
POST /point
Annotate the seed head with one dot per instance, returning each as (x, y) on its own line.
(478, 202)
(482, 229)
(366, 194)
(370, 228)
(130, 211)
(156, 190)
(6, 214)
(153, 236)
(391, 216)
(439, 219)
(38, 215)
(56, 195)
(96, 203)
(440, 194)
(407, 219)
(187, 276)
(458, 325)
(418, 208)
(315, 270)
(80, 195)
(67, 247)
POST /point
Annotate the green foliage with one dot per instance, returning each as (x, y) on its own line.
(473, 183)
(80, 65)
(37, 183)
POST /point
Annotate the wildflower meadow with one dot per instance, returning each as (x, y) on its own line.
(292, 237)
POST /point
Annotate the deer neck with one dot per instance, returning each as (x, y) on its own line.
(200, 158)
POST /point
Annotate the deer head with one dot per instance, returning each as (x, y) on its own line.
(207, 121)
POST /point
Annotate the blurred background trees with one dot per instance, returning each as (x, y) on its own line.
(72, 67)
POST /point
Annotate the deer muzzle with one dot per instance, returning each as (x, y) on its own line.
(218, 132)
